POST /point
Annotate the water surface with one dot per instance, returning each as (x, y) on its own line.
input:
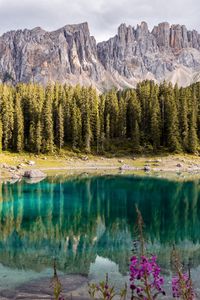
(87, 224)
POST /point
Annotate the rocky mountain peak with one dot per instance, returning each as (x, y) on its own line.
(142, 30)
(70, 54)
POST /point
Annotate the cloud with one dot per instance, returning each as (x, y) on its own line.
(103, 16)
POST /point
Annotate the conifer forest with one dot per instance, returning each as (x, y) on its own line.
(150, 117)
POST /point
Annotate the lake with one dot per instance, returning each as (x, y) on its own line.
(87, 223)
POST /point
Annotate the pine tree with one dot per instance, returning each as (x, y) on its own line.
(112, 108)
(60, 127)
(1, 136)
(171, 129)
(76, 127)
(192, 137)
(33, 118)
(122, 118)
(7, 116)
(108, 128)
(155, 129)
(88, 136)
(38, 137)
(133, 119)
(183, 116)
(102, 138)
(48, 134)
(18, 125)
(136, 137)
(95, 118)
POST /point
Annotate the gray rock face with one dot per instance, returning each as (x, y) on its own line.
(139, 53)
(71, 55)
(40, 56)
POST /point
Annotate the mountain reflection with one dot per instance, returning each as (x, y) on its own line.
(76, 219)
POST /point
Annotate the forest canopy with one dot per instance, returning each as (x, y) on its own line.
(150, 117)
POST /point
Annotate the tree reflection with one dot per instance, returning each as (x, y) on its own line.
(76, 219)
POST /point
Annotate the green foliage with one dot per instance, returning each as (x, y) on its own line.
(18, 125)
(154, 117)
(1, 135)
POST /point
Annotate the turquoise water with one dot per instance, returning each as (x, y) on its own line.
(87, 224)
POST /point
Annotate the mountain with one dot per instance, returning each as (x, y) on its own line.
(71, 55)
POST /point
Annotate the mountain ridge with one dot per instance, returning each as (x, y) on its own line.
(71, 55)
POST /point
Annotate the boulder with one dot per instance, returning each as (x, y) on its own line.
(84, 158)
(34, 174)
(16, 176)
(31, 163)
(21, 166)
(147, 168)
(179, 165)
(127, 167)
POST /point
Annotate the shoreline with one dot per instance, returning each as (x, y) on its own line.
(13, 166)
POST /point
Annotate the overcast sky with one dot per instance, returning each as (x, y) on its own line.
(103, 16)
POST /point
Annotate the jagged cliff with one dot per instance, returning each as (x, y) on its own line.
(71, 55)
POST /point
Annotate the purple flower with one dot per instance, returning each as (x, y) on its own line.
(182, 287)
(145, 277)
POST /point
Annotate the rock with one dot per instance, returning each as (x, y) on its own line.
(84, 158)
(31, 163)
(158, 160)
(34, 180)
(34, 174)
(179, 165)
(162, 33)
(147, 168)
(126, 167)
(5, 166)
(16, 176)
(132, 55)
(12, 168)
(21, 166)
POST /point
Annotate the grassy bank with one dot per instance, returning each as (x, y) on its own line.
(69, 162)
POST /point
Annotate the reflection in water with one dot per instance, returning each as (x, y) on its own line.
(77, 219)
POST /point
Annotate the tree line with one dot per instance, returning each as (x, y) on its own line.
(150, 117)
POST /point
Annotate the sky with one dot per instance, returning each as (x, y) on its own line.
(103, 16)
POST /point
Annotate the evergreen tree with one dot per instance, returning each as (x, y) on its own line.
(41, 119)
(192, 138)
(18, 125)
(60, 127)
(183, 116)
(136, 137)
(38, 137)
(48, 134)
(76, 127)
(172, 132)
(155, 130)
(122, 118)
(1, 135)
(95, 118)
(7, 116)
